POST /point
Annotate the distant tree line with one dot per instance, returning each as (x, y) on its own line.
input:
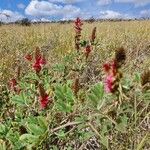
(28, 22)
(24, 22)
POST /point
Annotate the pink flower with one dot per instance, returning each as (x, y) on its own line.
(109, 83)
(111, 75)
(44, 101)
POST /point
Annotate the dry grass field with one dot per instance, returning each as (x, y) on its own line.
(118, 120)
(58, 39)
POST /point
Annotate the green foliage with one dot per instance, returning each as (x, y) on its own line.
(65, 98)
(22, 99)
(96, 94)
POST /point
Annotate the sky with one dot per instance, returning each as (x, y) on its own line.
(47, 10)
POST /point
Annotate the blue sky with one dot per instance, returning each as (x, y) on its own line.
(12, 10)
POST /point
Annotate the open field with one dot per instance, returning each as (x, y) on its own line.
(117, 120)
(59, 38)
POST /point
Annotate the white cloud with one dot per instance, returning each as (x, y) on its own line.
(41, 20)
(10, 16)
(21, 6)
(70, 12)
(137, 3)
(48, 9)
(145, 13)
(42, 8)
(109, 14)
(65, 1)
(104, 2)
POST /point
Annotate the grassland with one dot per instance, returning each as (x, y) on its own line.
(56, 41)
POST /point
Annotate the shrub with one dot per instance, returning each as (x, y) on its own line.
(1, 23)
(25, 22)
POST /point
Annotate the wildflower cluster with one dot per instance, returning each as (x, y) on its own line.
(13, 85)
(39, 61)
(44, 97)
(93, 36)
(48, 106)
(88, 45)
(78, 29)
(110, 80)
(113, 75)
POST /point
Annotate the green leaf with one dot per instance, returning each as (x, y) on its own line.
(146, 96)
(29, 138)
(31, 76)
(61, 134)
(42, 122)
(59, 67)
(35, 129)
(54, 147)
(69, 95)
(81, 118)
(12, 136)
(60, 95)
(32, 120)
(96, 95)
(104, 141)
(65, 97)
(17, 99)
(137, 77)
(2, 145)
(83, 43)
(2, 128)
(93, 98)
(122, 126)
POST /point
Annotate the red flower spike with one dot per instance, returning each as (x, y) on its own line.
(39, 61)
(37, 53)
(44, 98)
(107, 67)
(44, 101)
(37, 67)
(87, 50)
(42, 61)
(78, 29)
(28, 57)
(13, 84)
(78, 22)
(93, 36)
(110, 67)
